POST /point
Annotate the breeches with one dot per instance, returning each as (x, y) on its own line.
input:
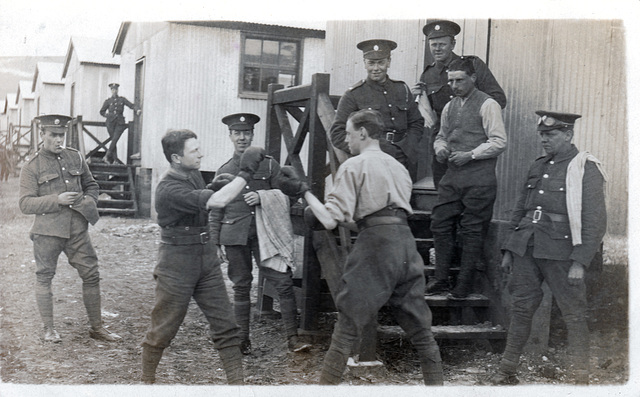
(241, 267)
(186, 271)
(77, 248)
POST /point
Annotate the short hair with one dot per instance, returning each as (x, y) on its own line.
(464, 64)
(371, 120)
(173, 142)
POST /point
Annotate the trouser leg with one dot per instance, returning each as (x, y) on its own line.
(443, 226)
(239, 272)
(46, 250)
(335, 361)
(150, 359)
(526, 295)
(232, 364)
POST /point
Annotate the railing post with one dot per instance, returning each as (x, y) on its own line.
(273, 139)
(80, 134)
(34, 136)
(130, 143)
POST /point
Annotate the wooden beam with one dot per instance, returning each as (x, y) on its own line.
(299, 94)
(287, 135)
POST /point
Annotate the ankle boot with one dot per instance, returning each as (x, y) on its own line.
(150, 358)
(232, 364)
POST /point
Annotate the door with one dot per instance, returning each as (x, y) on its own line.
(136, 134)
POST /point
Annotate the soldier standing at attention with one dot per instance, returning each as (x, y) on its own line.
(384, 265)
(234, 227)
(556, 228)
(188, 264)
(112, 109)
(434, 81)
(57, 186)
(403, 123)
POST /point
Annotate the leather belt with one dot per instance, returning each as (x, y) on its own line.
(185, 235)
(536, 215)
(394, 136)
(386, 216)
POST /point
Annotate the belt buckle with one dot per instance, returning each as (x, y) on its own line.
(390, 136)
(204, 237)
(537, 214)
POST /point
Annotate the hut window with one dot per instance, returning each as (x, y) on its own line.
(267, 60)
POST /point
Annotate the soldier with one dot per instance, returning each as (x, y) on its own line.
(556, 228)
(112, 109)
(403, 123)
(434, 81)
(57, 186)
(384, 266)
(5, 164)
(470, 139)
(188, 265)
(234, 227)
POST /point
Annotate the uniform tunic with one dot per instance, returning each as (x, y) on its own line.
(60, 228)
(235, 227)
(188, 265)
(439, 92)
(402, 119)
(112, 109)
(543, 251)
(383, 265)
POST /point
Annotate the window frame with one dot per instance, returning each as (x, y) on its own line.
(242, 93)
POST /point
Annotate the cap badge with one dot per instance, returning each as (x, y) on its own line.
(56, 121)
(437, 27)
(242, 118)
(376, 48)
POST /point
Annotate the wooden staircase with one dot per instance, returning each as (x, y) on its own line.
(117, 190)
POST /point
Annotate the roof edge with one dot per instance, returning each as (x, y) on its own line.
(259, 28)
(122, 34)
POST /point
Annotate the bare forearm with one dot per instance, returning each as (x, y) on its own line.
(320, 211)
(228, 192)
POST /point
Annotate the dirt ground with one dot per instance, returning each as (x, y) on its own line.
(127, 250)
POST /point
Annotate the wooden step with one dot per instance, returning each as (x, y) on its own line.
(100, 174)
(468, 332)
(117, 211)
(115, 203)
(112, 183)
(124, 193)
(473, 300)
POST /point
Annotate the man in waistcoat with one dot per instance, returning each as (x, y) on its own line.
(403, 123)
(556, 228)
(434, 81)
(471, 137)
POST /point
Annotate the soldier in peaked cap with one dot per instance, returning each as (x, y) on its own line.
(392, 98)
(556, 227)
(433, 89)
(235, 228)
(57, 186)
(112, 109)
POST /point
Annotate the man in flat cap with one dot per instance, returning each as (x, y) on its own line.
(556, 227)
(470, 139)
(403, 123)
(235, 228)
(112, 109)
(433, 89)
(57, 186)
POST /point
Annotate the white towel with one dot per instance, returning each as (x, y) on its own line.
(275, 231)
(575, 172)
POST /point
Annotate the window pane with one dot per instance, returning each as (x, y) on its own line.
(270, 52)
(287, 80)
(268, 76)
(251, 79)
(288, 54)
(253, 50)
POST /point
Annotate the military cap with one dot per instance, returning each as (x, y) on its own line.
(114, 85)
(53, 120)
(376, 48)
(241, 121)
(440, 29)
(554, 120)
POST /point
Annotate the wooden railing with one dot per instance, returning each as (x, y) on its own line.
(78, 133)
(314, 110)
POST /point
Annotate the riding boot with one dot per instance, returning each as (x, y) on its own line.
(231, 358)
(242, 311)
(464, 283)
(91, 298)
(150, 359)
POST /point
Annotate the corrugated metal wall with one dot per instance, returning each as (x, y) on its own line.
(575, 66)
